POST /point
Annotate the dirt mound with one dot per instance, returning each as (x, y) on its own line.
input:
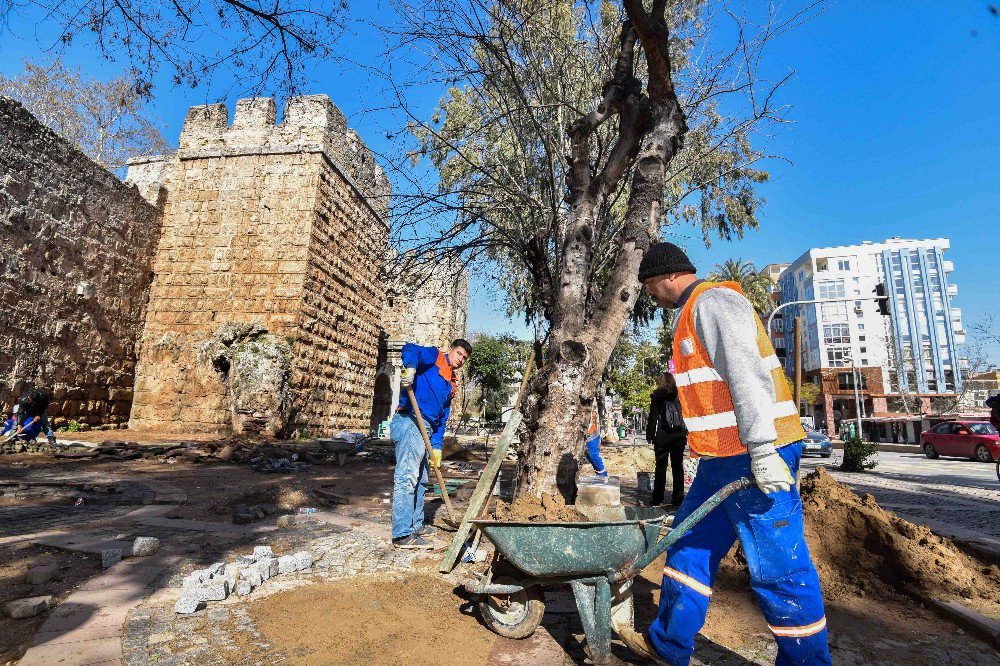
(544, 509)
(365, 620)
(863, 550)
(626, 461)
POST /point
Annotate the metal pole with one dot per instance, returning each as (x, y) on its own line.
(798, 365)
(775, 311)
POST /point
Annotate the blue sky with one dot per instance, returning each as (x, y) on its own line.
(896, 133)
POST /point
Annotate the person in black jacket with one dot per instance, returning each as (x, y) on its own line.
(666, 432)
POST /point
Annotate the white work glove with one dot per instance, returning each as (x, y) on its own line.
(771, 473)
(406, 378)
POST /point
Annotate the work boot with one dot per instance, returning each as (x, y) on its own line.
(52, 439)
(427, 530)
(639, 643)
(412, 542)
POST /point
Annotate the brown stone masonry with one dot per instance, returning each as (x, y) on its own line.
(76, 247)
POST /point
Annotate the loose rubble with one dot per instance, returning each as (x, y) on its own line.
(145, 546)
(20, 609)
(241, 577)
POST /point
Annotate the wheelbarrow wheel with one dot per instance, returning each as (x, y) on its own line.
(515, 615)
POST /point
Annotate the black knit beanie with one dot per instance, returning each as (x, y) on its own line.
(664, 258)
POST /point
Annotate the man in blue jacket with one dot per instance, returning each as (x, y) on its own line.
(431, 374)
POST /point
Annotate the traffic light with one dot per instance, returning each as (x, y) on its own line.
(882, 300)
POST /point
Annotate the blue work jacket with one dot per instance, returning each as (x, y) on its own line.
(433, 387)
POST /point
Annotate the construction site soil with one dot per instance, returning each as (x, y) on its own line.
(544, 509)
(417, 620)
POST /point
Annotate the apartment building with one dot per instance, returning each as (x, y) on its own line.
(902, 365)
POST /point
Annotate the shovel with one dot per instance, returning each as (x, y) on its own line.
(450, 520)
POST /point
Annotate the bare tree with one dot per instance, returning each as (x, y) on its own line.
(262, 44)
(105, 119)
(571, 133)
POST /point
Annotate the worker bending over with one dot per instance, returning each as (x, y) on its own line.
(741, 421)
(430, 372)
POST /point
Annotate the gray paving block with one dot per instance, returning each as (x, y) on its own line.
(264, 568)
(243, 588)
(110, 557)
(188, 603)
(262, 552)
(145, 546)
(213, 590)
(287, 564)
(303, 560)
(252, 576)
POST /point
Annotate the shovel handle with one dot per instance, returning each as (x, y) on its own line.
(430, 450)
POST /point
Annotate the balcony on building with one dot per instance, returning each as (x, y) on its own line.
(949, 266)
(952, 290)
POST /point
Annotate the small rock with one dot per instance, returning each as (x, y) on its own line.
(242, 515)
(286, 521)
(188, 603)
(42, 574)
(226, 453)
(287, 564)
(27, 607)
(269, 509)
(110, 557)
(145, 546)
(213, 590)
(262, 552)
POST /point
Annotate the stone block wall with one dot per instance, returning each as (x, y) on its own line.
(278, 225)
(76, 247)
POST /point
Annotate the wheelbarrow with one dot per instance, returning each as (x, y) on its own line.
(597, 559)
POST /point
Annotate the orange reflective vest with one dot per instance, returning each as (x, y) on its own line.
(705, 399)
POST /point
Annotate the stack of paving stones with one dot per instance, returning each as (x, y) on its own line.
(241, 577)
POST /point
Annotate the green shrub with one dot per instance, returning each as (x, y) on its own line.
(74, 426)
(858, 455)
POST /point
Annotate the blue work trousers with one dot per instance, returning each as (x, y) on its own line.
(410, 476)
(594, 454)
(782, 574)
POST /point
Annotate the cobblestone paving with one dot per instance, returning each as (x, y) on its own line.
(155, 634)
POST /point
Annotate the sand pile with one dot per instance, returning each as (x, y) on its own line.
(863, 550)
(367, 620)
(544, 509)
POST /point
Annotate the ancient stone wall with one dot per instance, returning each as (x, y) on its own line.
(428, 306)
(268, 224)
(76, 247)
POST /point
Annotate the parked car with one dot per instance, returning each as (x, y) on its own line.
(977, 440)
(816, 442)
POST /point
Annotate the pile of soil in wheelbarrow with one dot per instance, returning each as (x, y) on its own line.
(544, 509)
(368, 620)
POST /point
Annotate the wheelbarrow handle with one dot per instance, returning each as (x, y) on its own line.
(677, 531)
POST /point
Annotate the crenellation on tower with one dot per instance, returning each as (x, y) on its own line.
(204, 126)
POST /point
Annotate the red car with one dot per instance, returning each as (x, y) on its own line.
(978, 440)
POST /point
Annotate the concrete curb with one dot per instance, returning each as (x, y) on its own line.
(889, 448)
(972, 621)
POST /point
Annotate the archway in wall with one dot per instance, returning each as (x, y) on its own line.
(382, 404)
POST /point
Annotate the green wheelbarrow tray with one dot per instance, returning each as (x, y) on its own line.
(598, 559)
(575, 549)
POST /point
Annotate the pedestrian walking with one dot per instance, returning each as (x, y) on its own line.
(430, 372)
(742, 422)
(666, 432)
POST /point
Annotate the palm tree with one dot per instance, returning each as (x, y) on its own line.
(755, 285)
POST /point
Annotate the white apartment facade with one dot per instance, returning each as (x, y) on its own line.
(905, 360)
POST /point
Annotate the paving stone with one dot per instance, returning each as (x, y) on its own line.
(27, 607)
(213, 590)
(303, 560)
(246, 560)
(252, 576)
(42, 574)
(243, 587)
(188, 603)
(145, 546)
(287, 564)
(262, 552)
(264, 568)
(110, 557)
(91, 652)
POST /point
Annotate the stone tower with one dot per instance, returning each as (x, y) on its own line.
(272, 241)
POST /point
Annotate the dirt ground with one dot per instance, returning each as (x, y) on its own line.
(419, 620)
(74, 569)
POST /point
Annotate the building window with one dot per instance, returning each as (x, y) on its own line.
(863, 350)
(861, 338)
(831, 289)
(836, 334)
(834, 312)
(838, 357)
(779, 343)
(843, 264)
(845, 381)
